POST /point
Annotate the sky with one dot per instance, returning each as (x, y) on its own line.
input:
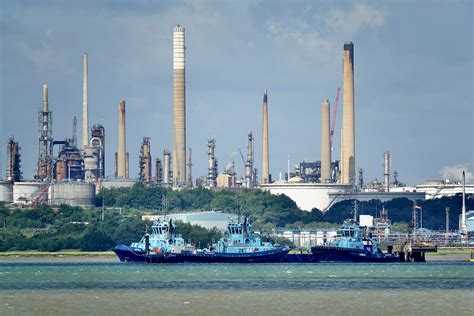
(413, 63)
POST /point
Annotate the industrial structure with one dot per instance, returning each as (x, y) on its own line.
(13, 161)
(158, 171)
(227, 178)
(265, 150)
(325, 143)
(348, 117)
(190, 166)
(167, 172)
(212, 163)
(85, 103)
(179, 107)
(98, 141)
(122, 150)
(250, 170)
(145, 161)
(44, 169)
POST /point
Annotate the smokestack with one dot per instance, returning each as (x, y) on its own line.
(348, 121)
(386, 171)
(85, 105)
(45, 98)
(122, 151)
(166, 167)
(463, 210)
(179, 107)
(265, 159)
(325, 143)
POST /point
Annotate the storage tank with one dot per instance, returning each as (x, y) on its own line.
(27, 192)
(6, 192)
(72, 193)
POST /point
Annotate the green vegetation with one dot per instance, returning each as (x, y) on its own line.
(53, 229)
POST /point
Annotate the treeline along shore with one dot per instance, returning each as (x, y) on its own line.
(116, 219)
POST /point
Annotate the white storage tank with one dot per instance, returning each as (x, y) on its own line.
(72, 193)
(6, 191)
(27, 192)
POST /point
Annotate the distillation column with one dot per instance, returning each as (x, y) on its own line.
(325, 143)
(348, 118)
(44, 169)
(386, 171)
(179, 107)
(265, 159)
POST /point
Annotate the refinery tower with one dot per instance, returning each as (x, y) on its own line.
(179, 108)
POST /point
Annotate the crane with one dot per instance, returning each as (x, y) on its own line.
(333, 123)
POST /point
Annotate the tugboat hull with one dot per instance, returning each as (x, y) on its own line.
(130, 254)
(334, 254)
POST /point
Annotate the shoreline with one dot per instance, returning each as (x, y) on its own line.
(109, 256)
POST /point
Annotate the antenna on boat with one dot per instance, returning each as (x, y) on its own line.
(355, 210)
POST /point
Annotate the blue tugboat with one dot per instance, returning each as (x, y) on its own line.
(352, 244)
(238, 245)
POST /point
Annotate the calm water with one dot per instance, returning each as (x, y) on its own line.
(276, 289)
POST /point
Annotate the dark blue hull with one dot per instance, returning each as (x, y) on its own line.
(130, 254)
(334, 254)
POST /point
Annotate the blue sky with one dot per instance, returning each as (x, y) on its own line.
(414, 69)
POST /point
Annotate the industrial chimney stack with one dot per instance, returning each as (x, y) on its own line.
(325, 142)
(386, 171)
(348, 118)
(265, 158)
(179, 107)
(85, 104)
(122, 151)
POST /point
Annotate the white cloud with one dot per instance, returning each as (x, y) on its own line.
(454, 173)
(350, 21)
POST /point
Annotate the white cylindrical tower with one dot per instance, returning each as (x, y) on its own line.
(348, 117)
(386, 171)
(325, 142)
(179, 107)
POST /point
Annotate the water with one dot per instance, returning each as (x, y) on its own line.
(269, 289)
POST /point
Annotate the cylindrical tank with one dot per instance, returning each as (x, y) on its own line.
(72, 193)
(28, 192)
(6, 192)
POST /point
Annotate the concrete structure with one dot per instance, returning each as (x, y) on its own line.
(348, 117)
(308, 195)
(115, 183)
(25, 193)
(265, 150)
(386, 171)
(72, 193)
(122, 151)
(6, 191)
(91, 163)
(85, 104)
(438, 188)
(179, 107)
(44, 170)
(207, 220)
(325, 143)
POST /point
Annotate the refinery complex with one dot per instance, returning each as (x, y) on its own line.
(69, 172)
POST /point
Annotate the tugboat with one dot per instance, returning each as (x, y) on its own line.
(161, 245)
(352, 244)
(238, 245)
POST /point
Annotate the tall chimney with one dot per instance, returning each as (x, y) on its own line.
(348, 121)
(265, 159)
(386, 171)
(85, 104)
(45, 98)
(325, 143)
(122, 151)
(179, 107)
